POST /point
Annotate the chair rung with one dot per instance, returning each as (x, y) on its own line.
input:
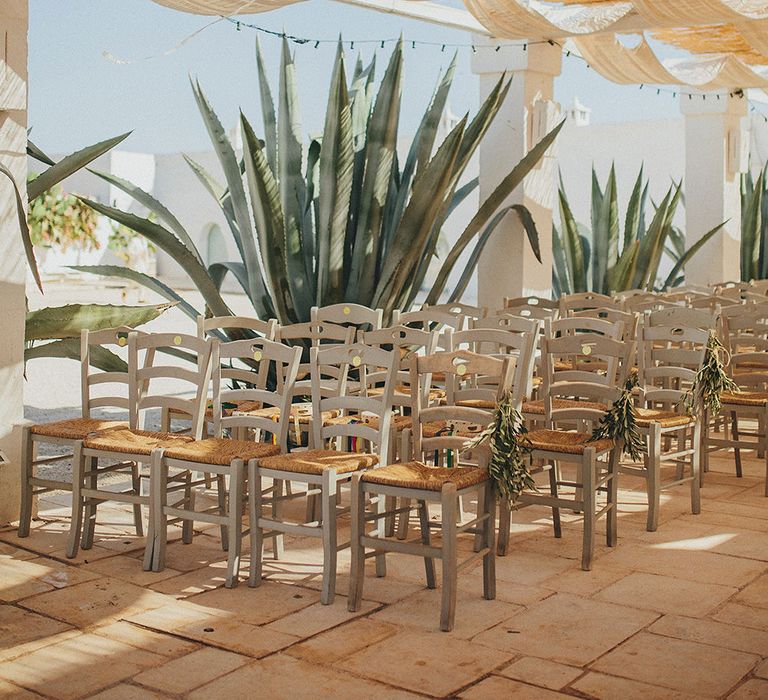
(202, 516)
(469, 560)
(49, 460)
(471, 523)
(307, 529)
(411, 547)
(51, 484)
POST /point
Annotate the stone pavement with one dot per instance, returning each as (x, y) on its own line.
(679, 613)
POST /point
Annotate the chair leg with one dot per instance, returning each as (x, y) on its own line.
(429, 562)
(489, 535)
(188, 525)
(27, 473)
(449, 555)
(391, 504)
(761, 425)
(278, 541)
(612, 516)
(654, 476)
(505, 523)
(736, 449)
(357, 566)
(76, 521)
(136, 484)
(588, 469)
(328, 505)
(91, 506)
(221, 494)
(405, 516)
(381, 531)
(254, 516)
(695, 468)
(158, 494)
(556, 525)
(235, 515)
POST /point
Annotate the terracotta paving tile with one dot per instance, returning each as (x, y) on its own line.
(495, 687)
(427, 662)
(585, 583)
(317, 618)
(95, 602)
(387, 589)
(14, 692)
(741, 509)
(743, 543)
(17, 650)
(729, 520)
(530, 568)
(603, 687)
(754, 688)
(23, 578)
(667, 662)
(257, 606)
(203, 551)
(735, 614)
(207, 578)
(567, 629)
(684, 562)
(157, 643)
(191, 671)
(762, 670)
(233, 635)
(541, 672)
(666, 595)
(125, 691)
(128, 569)
(282, 676)
(8, 551)
(473, 613)
(755, 594)
(714, 633)
(339, 643)
(77, 667)
(18, 627)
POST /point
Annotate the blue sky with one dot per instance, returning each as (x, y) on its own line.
(79, 97)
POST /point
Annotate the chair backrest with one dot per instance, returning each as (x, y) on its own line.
(360, 359)
(98, 347)
(712, 303)
(531, 307)
(585, 300)
(406, 342)
(244, 327)
(669, 359)
(361, 317)
(742, 323)
(518, 337)
(681, 317)
(249, 365)
(628, 319)
(428, 318)
(457, 366)
(468, 311)
(178, 387)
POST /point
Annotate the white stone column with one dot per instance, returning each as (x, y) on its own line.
(715, 153)
(507, 266)
(13, 144)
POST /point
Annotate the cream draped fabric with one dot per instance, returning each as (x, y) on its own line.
(224, 7)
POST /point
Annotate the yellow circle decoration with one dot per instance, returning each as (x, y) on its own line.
(586, 350)
(347, 311)
(257, 355)
(461, 370)
(177, 340)
(121, 341)
(356, 361)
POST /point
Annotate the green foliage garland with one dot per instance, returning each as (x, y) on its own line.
(620, 423)
(711, 380)
(508, 465)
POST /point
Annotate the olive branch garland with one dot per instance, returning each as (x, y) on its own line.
(620, 423)
(506, 435)
(711, 380)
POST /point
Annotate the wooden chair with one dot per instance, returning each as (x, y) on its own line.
(416, 481)
(357, 315)
(222, 328)
(628, 319)
(429, 318)
(323, 470)
(128, 444)
(68, 432)
(226, 458)
(746, 337)
(467, 311)
(583, 301)
(669, 358)
(531, 307)
(573, 409)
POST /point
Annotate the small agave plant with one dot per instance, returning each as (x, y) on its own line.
(342, 219)
(596, 260)
(754, 226)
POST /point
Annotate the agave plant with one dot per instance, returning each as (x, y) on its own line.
(55, 331)
(341, 220)
(754, 226)
(592, 259)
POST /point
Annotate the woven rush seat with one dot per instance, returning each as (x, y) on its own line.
(403, 390)
(229, 409)
(299, 412)
(476, 403)
(137, 442)
(668, 419)
(564, 441)
(318, 461)
(398, 422)
(439, 428)
(745, 398)
(417, 475)
(537, 407)
(74, 428)
(221, 451)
